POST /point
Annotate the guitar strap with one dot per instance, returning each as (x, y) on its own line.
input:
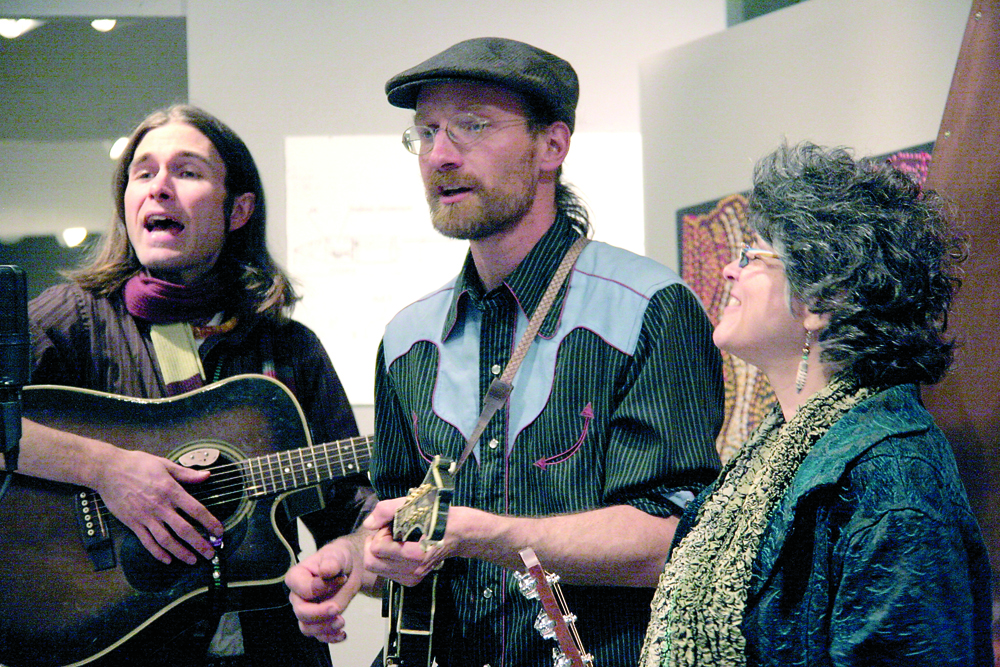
(501, 387)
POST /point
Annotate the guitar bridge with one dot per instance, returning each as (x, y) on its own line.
(94, 531)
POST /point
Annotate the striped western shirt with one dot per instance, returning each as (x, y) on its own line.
(618, 401)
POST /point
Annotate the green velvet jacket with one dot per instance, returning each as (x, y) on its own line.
(873, 557)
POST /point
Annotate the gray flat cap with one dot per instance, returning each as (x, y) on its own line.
(521, 67)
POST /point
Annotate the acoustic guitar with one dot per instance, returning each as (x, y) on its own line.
(77, 587)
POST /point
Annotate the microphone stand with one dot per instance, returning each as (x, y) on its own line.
(10, 409)
(15, 369)
(10, 445)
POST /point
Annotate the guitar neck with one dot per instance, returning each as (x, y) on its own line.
(560, 624)
(307, 466)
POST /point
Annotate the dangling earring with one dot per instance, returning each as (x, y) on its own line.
(800, 377)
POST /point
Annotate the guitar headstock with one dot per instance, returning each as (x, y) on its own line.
(424, 513)
(554, 620)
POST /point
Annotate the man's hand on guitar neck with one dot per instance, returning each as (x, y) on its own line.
(406, 563)
(142, 491)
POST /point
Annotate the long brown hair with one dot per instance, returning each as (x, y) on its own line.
(245, 265)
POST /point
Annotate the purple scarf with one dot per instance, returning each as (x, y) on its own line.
(160, 302)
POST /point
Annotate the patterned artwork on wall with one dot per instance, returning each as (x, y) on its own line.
(710, 237)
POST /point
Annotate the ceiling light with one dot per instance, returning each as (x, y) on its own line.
(103, 25)
(118, 147)
(14, 28)
(73, 236)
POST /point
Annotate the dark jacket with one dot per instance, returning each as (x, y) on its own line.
(873, 556)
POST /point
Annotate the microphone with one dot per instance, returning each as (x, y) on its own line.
(15, 366)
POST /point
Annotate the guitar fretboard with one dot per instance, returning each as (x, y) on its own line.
(307, 466)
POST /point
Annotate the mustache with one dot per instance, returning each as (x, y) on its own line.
(451, 181)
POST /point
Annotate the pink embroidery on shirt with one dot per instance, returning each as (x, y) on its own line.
(588, 415)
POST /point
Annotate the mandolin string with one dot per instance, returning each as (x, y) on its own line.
(234, 480)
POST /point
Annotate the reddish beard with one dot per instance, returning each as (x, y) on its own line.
(484, 211)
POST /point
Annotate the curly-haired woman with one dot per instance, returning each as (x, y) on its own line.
(841, 533)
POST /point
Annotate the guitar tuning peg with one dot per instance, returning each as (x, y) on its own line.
(546, 626)
(527, 585)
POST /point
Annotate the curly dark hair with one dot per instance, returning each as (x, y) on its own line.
(862, 242)
(258, 284)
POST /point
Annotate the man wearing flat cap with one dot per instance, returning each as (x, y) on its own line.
(605, 418)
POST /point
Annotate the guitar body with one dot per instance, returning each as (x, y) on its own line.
(62, 602)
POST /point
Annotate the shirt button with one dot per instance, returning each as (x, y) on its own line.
(487, 593)
(494, 443)
(496, 369)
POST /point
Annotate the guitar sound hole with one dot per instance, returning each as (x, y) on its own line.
(224, 492)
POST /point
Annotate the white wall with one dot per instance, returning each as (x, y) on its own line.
(309, 67)
(869, 74)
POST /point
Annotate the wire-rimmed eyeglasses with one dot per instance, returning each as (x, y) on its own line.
(747, 253)
(463, 129)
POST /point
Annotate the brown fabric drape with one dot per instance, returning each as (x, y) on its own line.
(966, 169)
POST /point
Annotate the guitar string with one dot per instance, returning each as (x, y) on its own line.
(271, 469)
(236, 474)
(232, 484)
(564, 608)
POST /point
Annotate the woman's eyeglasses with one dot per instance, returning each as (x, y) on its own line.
(747, 253)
